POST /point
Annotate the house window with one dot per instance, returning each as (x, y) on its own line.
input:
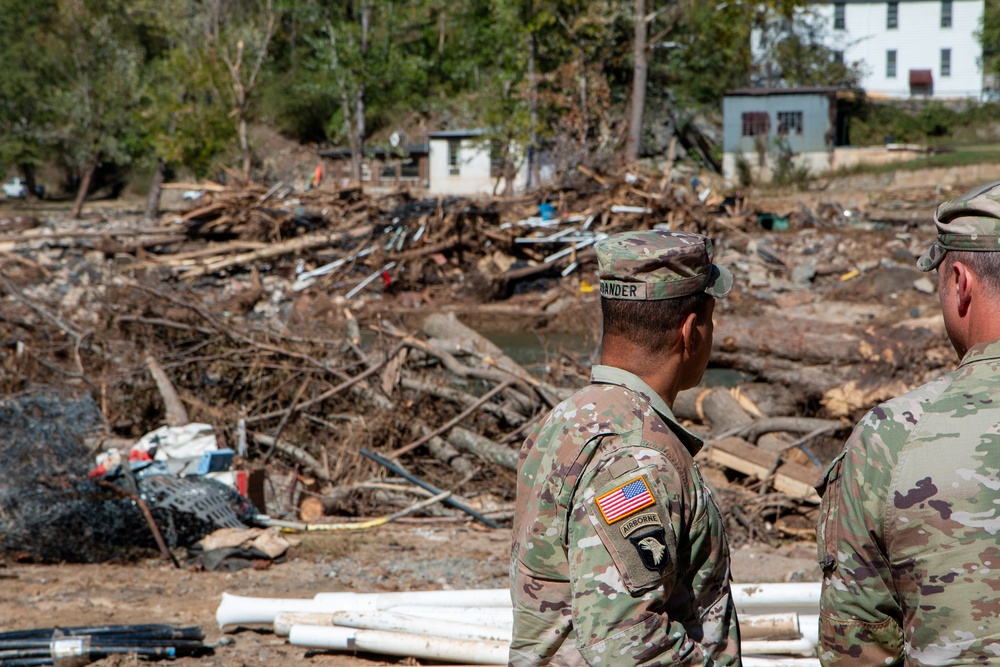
(945, 62)
(892, 15)
(409, 168)
(790, 123)
(839, 15)
(755, 124)
(496, 159)
(945, 13)
(453, 166)
(838, 57)
(890, 64)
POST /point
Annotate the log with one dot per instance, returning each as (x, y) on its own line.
(176, 412)
(473, 443)
(793, 479)
(469, 341)
(296, 452)
(297, 244)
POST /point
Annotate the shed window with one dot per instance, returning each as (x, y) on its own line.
(945, 62)
(890, 64)
(496, 159)
(453, 166)
(755, 124)
(839, 15)
(790, 123)
(945, 13)
(892, 15)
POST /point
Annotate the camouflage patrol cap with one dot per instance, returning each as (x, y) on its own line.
(969, 222)
(659, 264)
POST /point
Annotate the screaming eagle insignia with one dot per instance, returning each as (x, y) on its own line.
(652, 548)
(655, 548)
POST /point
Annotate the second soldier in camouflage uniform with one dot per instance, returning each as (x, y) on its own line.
(619, 555)
(909, 535)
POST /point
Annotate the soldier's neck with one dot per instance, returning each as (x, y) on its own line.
(660, 371)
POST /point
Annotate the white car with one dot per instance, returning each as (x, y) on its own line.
(15, 188)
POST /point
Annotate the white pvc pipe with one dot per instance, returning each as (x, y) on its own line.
(489, 597)
(284, 620)
(237, 610)
(776, 598)
(398, 643)
(751, 661)
(414, 625)
(802, 647)
(809, 627)
(496, 617)
(749, 598)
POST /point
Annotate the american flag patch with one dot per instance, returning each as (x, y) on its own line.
(625, 500)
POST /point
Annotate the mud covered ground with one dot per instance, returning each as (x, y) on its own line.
(398, 557)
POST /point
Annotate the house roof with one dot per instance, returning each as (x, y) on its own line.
(765, 92)
(456, 134)
(379, 152)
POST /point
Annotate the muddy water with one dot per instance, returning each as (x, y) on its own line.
(535, 351)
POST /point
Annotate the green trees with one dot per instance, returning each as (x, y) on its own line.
(172, 83)
(24, 109)
(99, 81)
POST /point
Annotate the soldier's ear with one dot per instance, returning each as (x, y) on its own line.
(688, 336)
(965, 283)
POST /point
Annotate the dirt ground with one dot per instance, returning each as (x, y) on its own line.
(398, 557)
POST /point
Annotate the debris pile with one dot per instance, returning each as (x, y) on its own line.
(305, 327)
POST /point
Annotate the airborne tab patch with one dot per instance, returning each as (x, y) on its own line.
(625, 500)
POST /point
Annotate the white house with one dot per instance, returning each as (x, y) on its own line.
(910, 48)
(464, 162)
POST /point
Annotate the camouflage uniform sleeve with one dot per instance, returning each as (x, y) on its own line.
(860, 618)
(623, 573)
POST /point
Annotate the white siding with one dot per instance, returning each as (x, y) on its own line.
(473, 176)
(473, 169)
(918, 42)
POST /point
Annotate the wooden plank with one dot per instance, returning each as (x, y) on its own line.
(793, 479)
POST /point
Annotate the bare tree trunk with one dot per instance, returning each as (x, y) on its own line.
(360, 95)
(30, 184)
(533, 114)
(639, 72)
(81, 193)
(245, 144)
(584, 123)
(442, 18)
(155, 190)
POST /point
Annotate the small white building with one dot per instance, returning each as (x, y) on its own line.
(465, 162)
(910, 48)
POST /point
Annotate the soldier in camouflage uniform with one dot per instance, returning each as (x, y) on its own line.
(909, 534)
(619, 555)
